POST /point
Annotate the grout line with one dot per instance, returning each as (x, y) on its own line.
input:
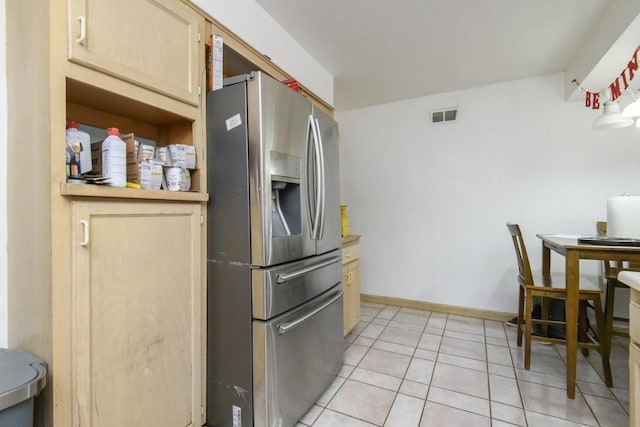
(515, 374)
(510, 347)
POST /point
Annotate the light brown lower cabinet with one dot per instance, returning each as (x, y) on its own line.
(351, 281)
(634, 357)
(136, 314)
(634, 385)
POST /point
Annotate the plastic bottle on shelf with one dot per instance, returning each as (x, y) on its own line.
(114, 159)
(73, 162)
(69, 154)
(80, 144)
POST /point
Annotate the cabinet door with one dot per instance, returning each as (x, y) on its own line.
(153, 43)
(346, 299)
(351, 286)
(354, 270)
(136, 317)
(634, 383)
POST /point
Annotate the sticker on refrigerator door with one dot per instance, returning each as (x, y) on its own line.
(237, 416)
(233, 122)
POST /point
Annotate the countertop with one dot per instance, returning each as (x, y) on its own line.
(630, 278)
(350, 239)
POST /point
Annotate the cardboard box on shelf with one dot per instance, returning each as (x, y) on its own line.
(162, 155)
(133, 170)
(178, 155)
(96, 157)
(141, 168)
(146, 152)
(190, 154)
(176, 179)
(182, 156)
(150, 175)
(218, 47)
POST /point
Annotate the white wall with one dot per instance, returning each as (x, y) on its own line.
(431, 201)
(3, 179)
(253, 24)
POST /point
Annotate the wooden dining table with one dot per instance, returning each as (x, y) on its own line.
(573, 252)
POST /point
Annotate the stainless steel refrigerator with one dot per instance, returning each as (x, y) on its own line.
(274, 303)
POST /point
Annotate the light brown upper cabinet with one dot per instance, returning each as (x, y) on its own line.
(152, 43)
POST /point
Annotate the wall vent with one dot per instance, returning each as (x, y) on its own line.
(444, 115)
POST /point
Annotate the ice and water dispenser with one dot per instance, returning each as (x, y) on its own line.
(286, 215)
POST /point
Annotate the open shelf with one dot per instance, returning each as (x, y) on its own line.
(100, 108)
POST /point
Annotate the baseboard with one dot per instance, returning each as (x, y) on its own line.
(620, 331)
(440, 308)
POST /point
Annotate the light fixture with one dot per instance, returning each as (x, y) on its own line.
(633, 109)
(611, 118)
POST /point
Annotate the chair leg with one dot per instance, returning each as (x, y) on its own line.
(605, 341)
(527, 331)
(609, 307)
(520, 314)
(582, 326)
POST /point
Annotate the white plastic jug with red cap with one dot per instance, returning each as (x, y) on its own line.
(114, 159)
(79, 146)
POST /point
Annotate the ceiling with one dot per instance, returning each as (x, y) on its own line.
(382, 51)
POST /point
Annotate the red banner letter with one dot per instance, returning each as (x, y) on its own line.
(623, 75)
(615, 89)
(633, 65)
(596, 101)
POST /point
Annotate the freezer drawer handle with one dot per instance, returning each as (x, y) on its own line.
(289, 276)
(286, 327)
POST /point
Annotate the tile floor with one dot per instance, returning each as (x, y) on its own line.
(406, 367)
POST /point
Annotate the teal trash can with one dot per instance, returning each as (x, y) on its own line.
(22, 377)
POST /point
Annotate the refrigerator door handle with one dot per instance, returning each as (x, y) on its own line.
(290, 276)
(319, 175)
(315, 232)
(288, 326)
(321, 181)
(311, 192)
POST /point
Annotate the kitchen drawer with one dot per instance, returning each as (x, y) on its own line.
(634, 321)
(296, 356)
(350, 253)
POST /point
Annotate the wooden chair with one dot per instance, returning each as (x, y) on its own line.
(610, 274)
(528, 290)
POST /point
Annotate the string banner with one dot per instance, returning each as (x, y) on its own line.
(619, 85)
